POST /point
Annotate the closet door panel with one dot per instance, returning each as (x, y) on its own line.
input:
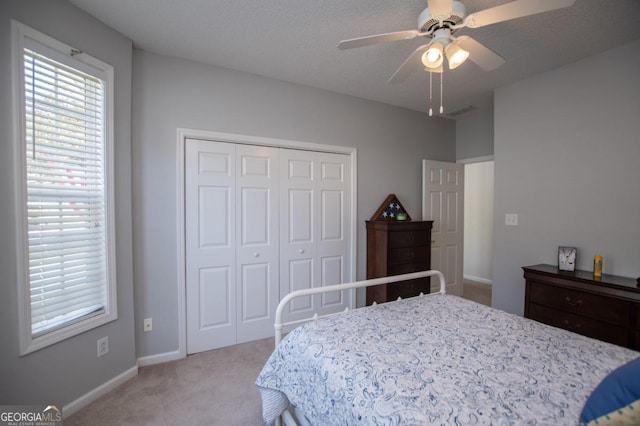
(214, 289)
(257, 235)
(334, 245)
(332, 272)
(314, 191)
(298, 233)
(210, 245)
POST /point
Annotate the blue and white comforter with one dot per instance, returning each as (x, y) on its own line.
(434, 360)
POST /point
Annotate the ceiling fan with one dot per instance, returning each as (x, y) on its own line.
(440, 21)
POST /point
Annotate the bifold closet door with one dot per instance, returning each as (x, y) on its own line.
(315, 231)
(210, 245)
(231, 202)
(257, 241)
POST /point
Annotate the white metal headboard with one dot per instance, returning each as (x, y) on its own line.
(347, 286)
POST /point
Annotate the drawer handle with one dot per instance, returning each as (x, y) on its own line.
(570, 326)
(572, 303)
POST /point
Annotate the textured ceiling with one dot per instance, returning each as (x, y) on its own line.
(295, 41)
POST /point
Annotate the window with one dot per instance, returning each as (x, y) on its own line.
(64, 196)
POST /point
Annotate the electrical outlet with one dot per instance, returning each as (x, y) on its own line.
(103, 346)
(511, 219)
(147, 324)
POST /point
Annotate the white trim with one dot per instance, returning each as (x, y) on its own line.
(478, 279)
(160, 358)
(20, 187)
(91, 396)
(182, 135)
(180, 222)
(475, 160)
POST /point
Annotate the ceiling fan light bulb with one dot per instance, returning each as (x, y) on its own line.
(433, 57)
(455, 55)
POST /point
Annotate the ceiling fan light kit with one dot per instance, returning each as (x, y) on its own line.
(456, 55)
(440, 21)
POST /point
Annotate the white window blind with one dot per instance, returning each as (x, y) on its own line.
(65, 193)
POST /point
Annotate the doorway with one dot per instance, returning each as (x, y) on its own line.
(478, 229)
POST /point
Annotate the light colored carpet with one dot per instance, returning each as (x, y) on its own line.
(210, 388)
(476, 291)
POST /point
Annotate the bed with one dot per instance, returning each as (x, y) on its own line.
(431, 359)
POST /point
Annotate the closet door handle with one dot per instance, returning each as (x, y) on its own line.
(301, 251)
(256, 254)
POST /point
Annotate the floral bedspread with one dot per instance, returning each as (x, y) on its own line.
(434, 360)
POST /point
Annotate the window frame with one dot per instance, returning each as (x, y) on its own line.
(22, 36)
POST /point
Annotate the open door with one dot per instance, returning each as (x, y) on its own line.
(443, 202)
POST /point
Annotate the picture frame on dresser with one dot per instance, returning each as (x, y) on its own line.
(567, 258)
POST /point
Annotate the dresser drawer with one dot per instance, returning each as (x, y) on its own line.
(582, 303)
(408, 255)
(405, 268)
(409, 288)
(579, 324)
(409, 239)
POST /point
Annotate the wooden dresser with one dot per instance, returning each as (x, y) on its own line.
(393, 248)
(607, 308)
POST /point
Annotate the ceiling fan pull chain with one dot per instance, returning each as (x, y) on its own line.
(430, 94)
(441, 79)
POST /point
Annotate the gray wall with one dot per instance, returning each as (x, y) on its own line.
(61, 373)
(566, 161)
(474, 131)
(171, 93)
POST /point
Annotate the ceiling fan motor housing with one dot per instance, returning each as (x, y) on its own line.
(430, 24)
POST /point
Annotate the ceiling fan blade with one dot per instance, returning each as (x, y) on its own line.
(440, 9)
(512, 10)
(486, 58)
(408, 65)
(380, 38)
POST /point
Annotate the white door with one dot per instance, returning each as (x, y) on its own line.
(259, 223)
(257, 241)
(210, 244)
(443, 202)
(333, 230)
(315, 236)
(232, 239)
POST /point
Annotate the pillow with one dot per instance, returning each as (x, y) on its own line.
(616, 400)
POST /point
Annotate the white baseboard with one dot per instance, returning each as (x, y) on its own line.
(160, 358)
(478, 279)
(75, 406)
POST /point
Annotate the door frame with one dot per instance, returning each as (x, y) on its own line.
(185, 133)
